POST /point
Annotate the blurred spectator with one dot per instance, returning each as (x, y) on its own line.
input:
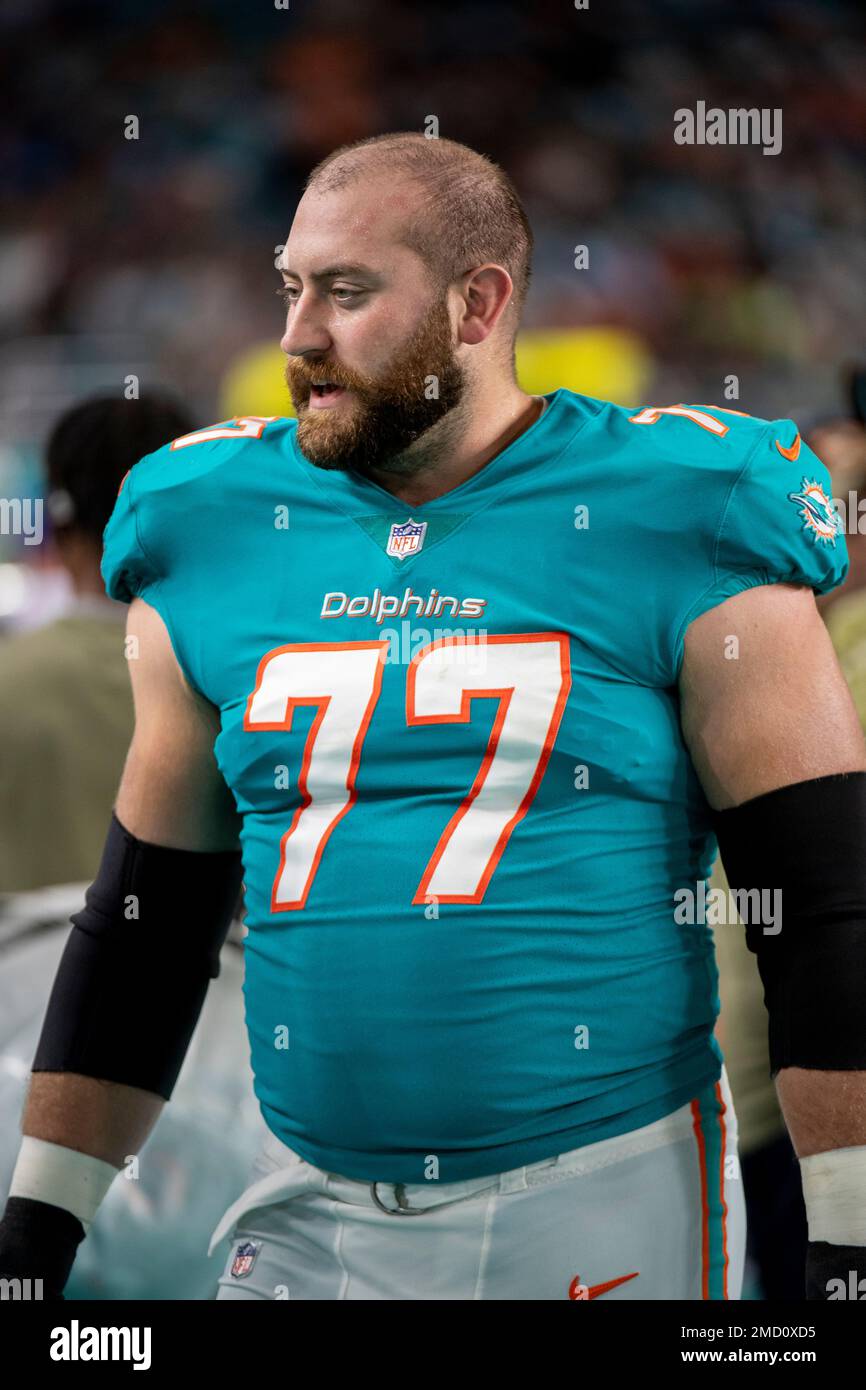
(724, 260)
(841, 445)
(66, 713)
(775, 1213)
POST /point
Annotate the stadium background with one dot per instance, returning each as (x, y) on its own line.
(152, 258)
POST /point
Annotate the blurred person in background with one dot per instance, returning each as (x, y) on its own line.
(67, 718)
(841, 446)
(776, 1231)
(66, 714)
(776, 1214)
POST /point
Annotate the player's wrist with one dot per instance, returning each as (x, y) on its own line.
(834, 1191)
(58, 1176)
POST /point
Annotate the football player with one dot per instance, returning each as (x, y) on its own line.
(467, 684)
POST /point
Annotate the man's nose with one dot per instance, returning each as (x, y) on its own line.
(305, 330)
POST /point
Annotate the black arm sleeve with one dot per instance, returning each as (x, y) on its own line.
(807, 841)
(135, 970)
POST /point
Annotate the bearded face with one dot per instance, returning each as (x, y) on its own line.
(349, 421)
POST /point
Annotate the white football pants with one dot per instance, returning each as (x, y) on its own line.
(657, 1213)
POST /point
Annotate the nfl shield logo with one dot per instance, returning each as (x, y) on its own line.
(406, 538)
(245, 1258)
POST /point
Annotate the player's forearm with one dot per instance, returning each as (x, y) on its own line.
(102, 1118)
(823, 1109)
(116, 1030)
(78, 1131)
(826, 1115)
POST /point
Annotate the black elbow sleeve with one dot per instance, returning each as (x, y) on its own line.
(806, 844)
(135, 970)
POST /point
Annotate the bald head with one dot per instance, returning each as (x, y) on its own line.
(457, 209)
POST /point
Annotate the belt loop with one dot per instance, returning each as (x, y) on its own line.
(513, 1181)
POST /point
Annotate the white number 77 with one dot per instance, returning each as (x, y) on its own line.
(527, 673)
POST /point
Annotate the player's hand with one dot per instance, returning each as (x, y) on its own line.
(38, 1241)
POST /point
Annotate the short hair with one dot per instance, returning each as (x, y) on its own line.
(94, 444)
(469, 213)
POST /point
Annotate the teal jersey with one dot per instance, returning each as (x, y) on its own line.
(452, 734)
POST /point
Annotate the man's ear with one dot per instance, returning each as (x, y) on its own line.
(486, 294)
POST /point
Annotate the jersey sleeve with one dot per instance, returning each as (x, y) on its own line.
(130, 569)
(127, 571)
(778, 525)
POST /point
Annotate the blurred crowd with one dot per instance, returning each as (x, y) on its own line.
(156, 252)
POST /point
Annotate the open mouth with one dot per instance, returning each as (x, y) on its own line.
(324, 393)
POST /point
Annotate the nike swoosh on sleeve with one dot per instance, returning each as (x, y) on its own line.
(792, 453)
